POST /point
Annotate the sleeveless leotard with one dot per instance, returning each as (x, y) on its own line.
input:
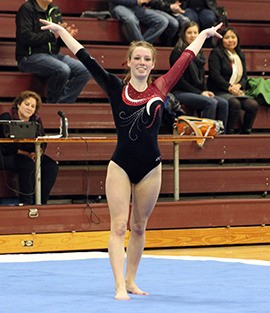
(137, 115)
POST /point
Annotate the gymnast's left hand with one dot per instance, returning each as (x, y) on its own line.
(213, 31)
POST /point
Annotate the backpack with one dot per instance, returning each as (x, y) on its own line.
(201, 127)
(172, 109)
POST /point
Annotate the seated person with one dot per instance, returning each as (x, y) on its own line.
(133, 12)
(191, 88)
(37, 52)
(228, 79)
(20, 157)
(172, 10)
(203, 12)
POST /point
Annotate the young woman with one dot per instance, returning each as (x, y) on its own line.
(135, 167)
(191, 88)
(228, 79)
(20, 157)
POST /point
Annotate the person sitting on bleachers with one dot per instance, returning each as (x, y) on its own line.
(228, 79)
(191, 88)
(20, 157)
(173, 12)
(37, 52)
(204, 12)
(133, 12)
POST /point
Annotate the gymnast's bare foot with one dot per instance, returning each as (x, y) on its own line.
(121, 294)
(132, 288)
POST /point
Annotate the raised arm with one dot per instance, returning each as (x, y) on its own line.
(101, 76)
(59, 31)
(166, 82)
(197, 44)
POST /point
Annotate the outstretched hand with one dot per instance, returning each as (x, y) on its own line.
(212, 31)
(65, 33)
(55, 28)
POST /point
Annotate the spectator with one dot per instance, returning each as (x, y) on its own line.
(37, 52)
(191, 88)
(204, 12)
(20, 157)
(172, 10)
(228, 79)
(131, 13)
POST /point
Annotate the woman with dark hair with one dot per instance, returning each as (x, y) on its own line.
(191, 88)
(20, 157)
(228, 79)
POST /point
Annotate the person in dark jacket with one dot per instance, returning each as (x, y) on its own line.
(228, 79)
(20, 157)
(191, 88)
(38, 52)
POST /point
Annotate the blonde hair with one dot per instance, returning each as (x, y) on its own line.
(132, 46)
(25, 95)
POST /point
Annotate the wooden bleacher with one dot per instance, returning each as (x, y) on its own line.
(238, 10)
(13, 82)
(113, 57)
(250, 18)
(67, 7)
(242, 10)
(223, 186)
(109, 31)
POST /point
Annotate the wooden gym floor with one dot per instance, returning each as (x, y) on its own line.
(253, 252)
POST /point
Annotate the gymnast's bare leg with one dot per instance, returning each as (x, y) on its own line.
(144, 197)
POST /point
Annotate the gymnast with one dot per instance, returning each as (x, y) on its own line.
(134, 171)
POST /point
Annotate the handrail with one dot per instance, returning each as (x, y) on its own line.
(113, 138)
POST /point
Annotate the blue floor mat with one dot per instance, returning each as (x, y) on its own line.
(175, 285)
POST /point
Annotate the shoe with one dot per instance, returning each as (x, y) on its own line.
(246, 131)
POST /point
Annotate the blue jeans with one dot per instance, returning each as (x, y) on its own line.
(131, 19)
(65, 76)
(169, 35)
(182, 19)
(210, 107)
(204, 18)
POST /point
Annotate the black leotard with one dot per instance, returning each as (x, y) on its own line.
(137, 115)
